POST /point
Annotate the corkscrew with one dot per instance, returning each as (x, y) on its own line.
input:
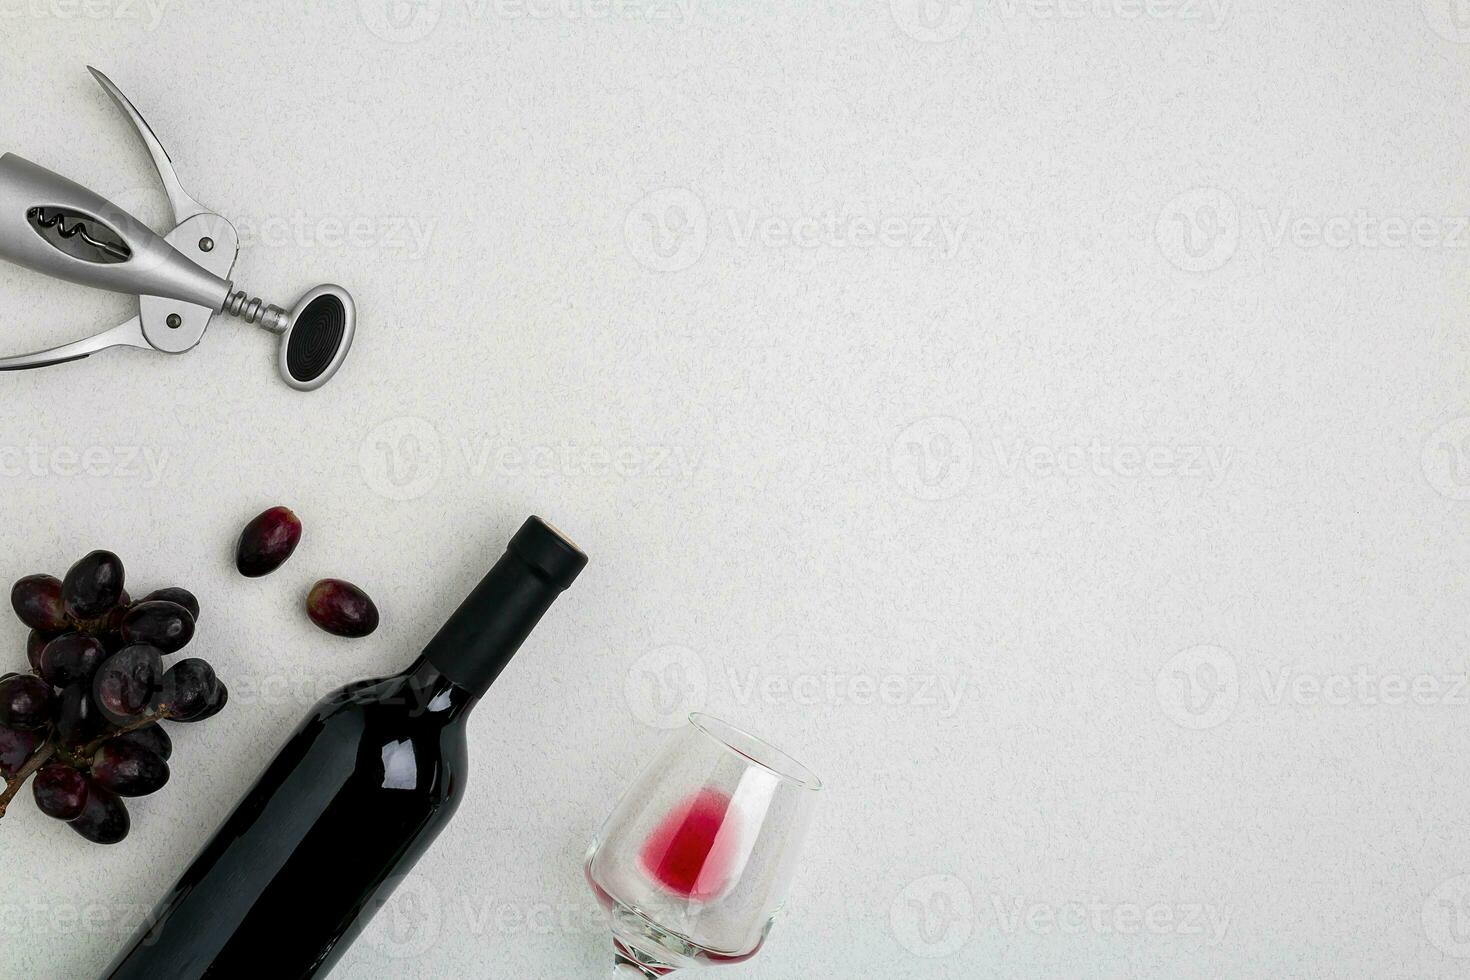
(182, 279)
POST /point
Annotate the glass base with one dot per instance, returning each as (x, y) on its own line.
(631, 963)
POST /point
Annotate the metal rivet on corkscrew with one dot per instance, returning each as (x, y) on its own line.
(57, 227)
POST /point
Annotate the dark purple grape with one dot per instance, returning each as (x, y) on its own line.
(188, 689)
(37, 601)
(78, 719)
(127, 682)
(60, 790)
(93, 586)
(104, 819)
(182, 597)
(16, 746)
(71, 657)
(153, 738)
(267, 542)
(35, 643)
(342, 608)
(113, 622)
(166, 626)
(25, 702)
(128, 769)
(216, 705)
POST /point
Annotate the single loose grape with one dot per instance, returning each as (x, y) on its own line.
(267, 541)
(342, 608)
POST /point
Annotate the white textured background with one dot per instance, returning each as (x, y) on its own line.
(1088, 378)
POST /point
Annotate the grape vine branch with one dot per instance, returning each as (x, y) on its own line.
(13, 785)
(45, 753)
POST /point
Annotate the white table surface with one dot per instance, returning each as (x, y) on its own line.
(1051, 423)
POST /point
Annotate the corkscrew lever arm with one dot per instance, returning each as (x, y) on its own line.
(184, 206)
(129, 334)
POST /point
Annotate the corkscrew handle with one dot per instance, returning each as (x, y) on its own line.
(60, 228)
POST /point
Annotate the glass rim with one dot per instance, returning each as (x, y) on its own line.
(779, 764)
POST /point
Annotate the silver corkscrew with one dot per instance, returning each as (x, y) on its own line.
(60, 228)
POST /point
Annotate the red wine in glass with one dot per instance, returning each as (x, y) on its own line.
(695, 861)
(685, 853)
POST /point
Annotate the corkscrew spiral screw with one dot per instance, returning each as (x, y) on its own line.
(57, 220)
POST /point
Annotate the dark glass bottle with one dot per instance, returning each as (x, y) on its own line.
(354, 798)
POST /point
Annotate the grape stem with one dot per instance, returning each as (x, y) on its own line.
(14, 784)
(85, 752)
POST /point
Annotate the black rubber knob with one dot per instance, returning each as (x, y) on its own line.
(315, 338)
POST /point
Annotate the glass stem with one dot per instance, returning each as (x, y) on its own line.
(625, 967)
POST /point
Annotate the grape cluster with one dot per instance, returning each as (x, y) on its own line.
(84, 721)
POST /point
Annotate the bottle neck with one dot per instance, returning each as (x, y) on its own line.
(487, 629)
(427, 691)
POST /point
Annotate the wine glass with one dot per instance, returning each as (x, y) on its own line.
(694, 863)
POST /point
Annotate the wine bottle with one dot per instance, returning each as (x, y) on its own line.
(352, 800)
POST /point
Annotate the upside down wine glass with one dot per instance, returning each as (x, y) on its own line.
(694, 863)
